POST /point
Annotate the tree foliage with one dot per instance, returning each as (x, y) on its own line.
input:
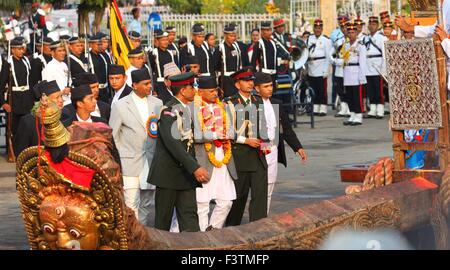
(183, 6)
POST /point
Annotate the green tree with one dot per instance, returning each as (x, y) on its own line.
(183, 6)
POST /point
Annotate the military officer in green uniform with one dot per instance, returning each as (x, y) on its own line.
(174, 170)
(250, 146)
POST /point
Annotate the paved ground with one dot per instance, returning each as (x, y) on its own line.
(328, 145)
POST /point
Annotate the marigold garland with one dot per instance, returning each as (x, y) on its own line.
(221, 130)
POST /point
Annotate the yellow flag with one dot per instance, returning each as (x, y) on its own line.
(120, 43)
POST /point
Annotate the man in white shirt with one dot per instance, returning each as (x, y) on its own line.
(135, 24)
(276, 117)
(427, 31)
(134, 123)
(354, 76)
(319, 48)
(374, 43)
(57, 70)
(117, 82)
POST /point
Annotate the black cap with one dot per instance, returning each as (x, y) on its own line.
(160, 33)
(140, 75)
(230, 28)
(47, 88)
(80, 92)
(266, 25)
(116, 69)
(170, 29)
(245, 74)
(182, 79)
(192, 59)
(136, 52)
(261, 78)
(64, 37)
(47, 41)
(198, 29)
(106, 36)
(96, 38)
(56, 44)
(17, 42)
(207, 82)
(85, 78)
(73, 40)
(134, 35)
(37, 88)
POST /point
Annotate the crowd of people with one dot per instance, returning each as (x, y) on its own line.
(194, 123)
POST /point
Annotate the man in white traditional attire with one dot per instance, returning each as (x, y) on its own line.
(213, 151)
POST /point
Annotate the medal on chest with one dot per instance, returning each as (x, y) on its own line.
(152, 126)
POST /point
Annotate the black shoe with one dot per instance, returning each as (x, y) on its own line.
(347, 123)
(387, 112)
(355, 124)
(339, 115)
(379, 117)
(210, 228)
(316, 114)
(369, 116)
(322, 114)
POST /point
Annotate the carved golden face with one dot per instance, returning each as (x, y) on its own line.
(68, 222)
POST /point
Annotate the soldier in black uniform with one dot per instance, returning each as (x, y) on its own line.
(106, 40)
(78, 62)
(174, 170)
(18, 69)
(228, 59)
(283, 42)
(173, 47)
(159, 57)
(39, 62)
(28, 132)
(198, 47)
(265, 53)
(135, 39)
(99, 66)
(248, 151)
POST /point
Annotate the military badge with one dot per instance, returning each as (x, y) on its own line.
(152, 126)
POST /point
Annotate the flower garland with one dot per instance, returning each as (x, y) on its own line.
(210, 122)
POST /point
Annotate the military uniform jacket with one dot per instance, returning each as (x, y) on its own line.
(229, 58)
(375, 53)
(37, 65)
(174, 162)
(283, 43)
(99, 66)
(355, 69)
(204, 56)
(246, 157)
(319, 49)
(18, 71)
(265, 55)
(336, 57)
(77, 65)
(159, 58)
(175, 52)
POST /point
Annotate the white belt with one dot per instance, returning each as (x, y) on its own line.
(104, 85)
(269, 71)
(20, 88)
(204, 74)
(160, 79)
(228, 73)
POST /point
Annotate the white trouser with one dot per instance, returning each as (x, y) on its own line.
(131, 193)
(174, 226)
(146, 202)
(272, 172)
(218, 216)
(269, 195)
